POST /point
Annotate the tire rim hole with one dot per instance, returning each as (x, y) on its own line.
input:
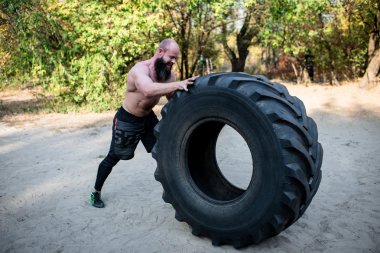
(234, 158)
(222, 180)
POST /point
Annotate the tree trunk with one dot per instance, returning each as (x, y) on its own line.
(371, 45)
(330, 60)
(184, 43)
(374, 40)
(371, 77)
(238, 65)
(184, 27)
(295, 71)
(229, 52)
(305, 77)
(243, 41)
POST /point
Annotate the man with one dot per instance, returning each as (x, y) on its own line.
(134, 121)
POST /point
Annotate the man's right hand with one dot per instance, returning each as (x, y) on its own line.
(185, 83)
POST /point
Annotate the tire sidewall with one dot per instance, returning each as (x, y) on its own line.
(254, 206)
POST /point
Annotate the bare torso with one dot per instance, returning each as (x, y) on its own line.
(135, 102)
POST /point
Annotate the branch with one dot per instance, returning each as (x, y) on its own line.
(171, 17)
(230, 53)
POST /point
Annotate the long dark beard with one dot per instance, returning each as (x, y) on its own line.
(163, 73)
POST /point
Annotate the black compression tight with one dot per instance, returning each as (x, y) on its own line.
(121, 150)
(105, 168)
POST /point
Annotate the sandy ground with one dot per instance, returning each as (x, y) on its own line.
(48, 165)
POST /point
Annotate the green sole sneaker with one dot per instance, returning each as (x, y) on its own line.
(95, 200)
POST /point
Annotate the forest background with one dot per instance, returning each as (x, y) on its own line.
(78, 53)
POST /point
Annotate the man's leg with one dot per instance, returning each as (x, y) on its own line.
(126, 133)
(148, 139)
(105, 168)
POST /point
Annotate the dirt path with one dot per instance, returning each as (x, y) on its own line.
(48, 166)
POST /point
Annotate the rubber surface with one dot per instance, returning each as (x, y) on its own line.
(286, 158)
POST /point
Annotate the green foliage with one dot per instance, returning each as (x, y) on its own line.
(332, 31)
(105, 39)
(92, 72)
(29, 39)
(81, 51)
(292, 24)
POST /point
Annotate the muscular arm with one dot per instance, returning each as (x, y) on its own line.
(150, 89)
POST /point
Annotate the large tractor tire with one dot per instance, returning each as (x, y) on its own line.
(283, 142)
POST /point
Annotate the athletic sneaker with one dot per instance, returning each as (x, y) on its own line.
(95, 200)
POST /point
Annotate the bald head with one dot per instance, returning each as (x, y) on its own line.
(168, 44)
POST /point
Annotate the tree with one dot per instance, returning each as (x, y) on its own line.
(242, 19)
(106, 38)
(29, 37)
(298, 29)
(371, 75)
(193, 24)
(79, 50)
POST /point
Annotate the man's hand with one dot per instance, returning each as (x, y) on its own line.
(185, 83)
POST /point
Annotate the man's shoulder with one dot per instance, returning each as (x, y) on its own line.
(143, 64)
(140, 68)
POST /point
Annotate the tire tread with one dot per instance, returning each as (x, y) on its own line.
(298, 136)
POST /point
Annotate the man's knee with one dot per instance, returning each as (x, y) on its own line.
(123, 154)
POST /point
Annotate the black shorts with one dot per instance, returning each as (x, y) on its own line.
(128, 130)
